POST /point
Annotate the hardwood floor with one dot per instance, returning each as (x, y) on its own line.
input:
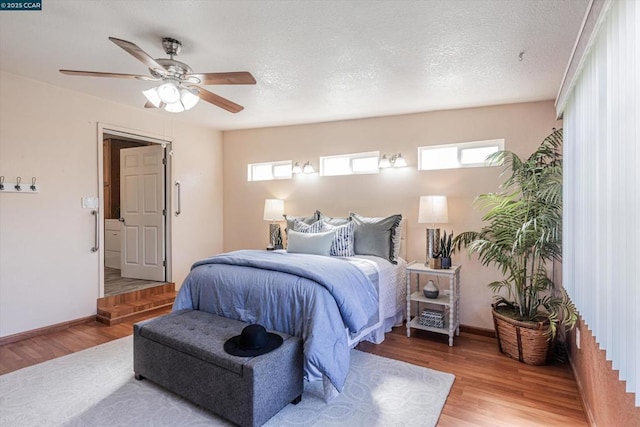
(39, 349)
(490, 389)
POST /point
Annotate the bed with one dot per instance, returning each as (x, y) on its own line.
(331, 302)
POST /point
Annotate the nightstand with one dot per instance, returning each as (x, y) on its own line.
(448, 300)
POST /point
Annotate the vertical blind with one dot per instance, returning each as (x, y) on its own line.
(601, 260)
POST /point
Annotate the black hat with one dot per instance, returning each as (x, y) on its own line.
(253, 341)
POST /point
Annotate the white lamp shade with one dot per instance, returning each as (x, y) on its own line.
(384, 162)
(433, 209)
(152, 96)
(308, 168)
(273, 209)
(174, 107)
(189, 99)
(186, 100)
(169, 93)
(400, 162)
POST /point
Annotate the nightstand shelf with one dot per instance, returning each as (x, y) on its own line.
(416, 325)
(443, 299)
(448, 300)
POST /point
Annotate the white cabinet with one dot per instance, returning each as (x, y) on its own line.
(448, 300)
(112, 243)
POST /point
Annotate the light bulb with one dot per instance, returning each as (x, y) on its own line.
(169, 93)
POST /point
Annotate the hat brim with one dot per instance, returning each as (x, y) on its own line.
(232, 346)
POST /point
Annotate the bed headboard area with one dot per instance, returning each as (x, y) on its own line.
(355, 234)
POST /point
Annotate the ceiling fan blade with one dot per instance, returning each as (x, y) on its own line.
(139, 54)
(218, 100)
(114, 75)
(149, 105)
(234, 78)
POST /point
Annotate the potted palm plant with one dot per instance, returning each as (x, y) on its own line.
(523, 236)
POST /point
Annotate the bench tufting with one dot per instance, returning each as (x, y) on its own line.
(183, 352)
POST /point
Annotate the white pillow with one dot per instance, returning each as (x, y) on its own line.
(310, 243)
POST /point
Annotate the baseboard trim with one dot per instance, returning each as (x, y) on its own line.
(478, 331)
(45, 330)
(585, 406)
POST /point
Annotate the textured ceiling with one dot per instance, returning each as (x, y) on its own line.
(313, 61)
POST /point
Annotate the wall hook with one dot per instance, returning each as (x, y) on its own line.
(33, 184)
(2, 182)
(17, 186)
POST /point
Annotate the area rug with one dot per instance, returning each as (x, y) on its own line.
(95, 387)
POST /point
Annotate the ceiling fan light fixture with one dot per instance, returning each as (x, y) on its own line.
(175, 107)
(188, 98)
(169, 92)
(152, 96)
(175, 79)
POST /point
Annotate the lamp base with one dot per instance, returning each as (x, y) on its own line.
(275, 236)
(433, 243)
(434, 263)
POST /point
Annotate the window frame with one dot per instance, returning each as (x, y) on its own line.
(351, 157)
(460, 148)
(273, 177)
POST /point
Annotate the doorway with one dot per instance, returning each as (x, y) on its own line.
(134, 198)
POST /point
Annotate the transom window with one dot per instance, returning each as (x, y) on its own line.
(459, 155)
(269, 171)
(349, 164)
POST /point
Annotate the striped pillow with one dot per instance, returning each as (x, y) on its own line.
(343, 240)
(303, 227)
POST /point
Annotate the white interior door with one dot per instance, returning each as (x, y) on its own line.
(142, 212)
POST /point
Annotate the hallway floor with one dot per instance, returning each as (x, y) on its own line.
(114, 284)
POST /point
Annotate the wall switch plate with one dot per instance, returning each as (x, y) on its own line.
(90, 203)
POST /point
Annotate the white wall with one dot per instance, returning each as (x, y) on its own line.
(48, 273)
(392, 191)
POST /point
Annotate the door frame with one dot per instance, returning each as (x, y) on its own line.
(142, 136)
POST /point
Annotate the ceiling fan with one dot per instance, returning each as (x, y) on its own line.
(179, 90)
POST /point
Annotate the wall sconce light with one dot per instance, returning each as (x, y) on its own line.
(396, 161)
(305, 168)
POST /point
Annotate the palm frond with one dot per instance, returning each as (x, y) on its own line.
(523, 231)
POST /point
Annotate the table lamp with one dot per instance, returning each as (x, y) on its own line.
(274, 211)
(433, 210)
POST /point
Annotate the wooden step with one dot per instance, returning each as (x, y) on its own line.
(115, 309)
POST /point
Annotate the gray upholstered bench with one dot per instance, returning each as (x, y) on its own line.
(183, 352)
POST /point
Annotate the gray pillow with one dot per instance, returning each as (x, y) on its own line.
(310, 243)
(306, 219)
(375, 236)
(333, 220)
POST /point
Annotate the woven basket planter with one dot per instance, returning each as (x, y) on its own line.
(524, 341)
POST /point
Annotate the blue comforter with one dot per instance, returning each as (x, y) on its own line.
(309, 296)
